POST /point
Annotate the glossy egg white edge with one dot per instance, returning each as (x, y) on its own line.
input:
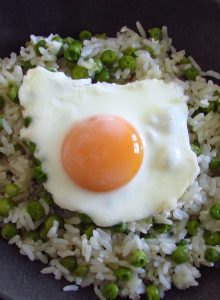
(156, 109)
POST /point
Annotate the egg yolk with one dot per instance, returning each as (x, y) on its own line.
(102, 153)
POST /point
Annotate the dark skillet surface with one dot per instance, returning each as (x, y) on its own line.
(193, 25)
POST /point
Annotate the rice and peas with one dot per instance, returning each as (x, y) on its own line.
(143, 257)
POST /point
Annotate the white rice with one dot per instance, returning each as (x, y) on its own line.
(70, 288)
(104, 251)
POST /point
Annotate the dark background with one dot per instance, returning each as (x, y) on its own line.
(194, 25)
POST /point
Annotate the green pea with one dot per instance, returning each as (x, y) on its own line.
(73, 52)
(156, 33)
(8, 231)
(35, 210)
(5, 206)
(210, 107)
(119, 228)
(214, 163)
(38, 45)
(212, 255)
(48, 198)
(138, 258)
(192, 227)
(99, 65)
(112, 71)
(191, 73)
(212, 238)
(110, 291)
(88, 230)
(12, 189)
(216, 93)
(85, 35)
(182, 243)
(215, 211)
(1, 119)
(39, 175)
(123, 274)
(43, 233)
(103, 76)
(108, 57)
(26, 65)
(149, 235)
(49, 221)
(196, 149)
(152, 292)
(82, 271)
(31, 146)
(33, 235)
(57, 38)
(130, 51)
(180, 255)
(69, 40)
(69, 262)
(13, 91)
(79, 72)
(150, 50)
(218, 107)
(85, 219)
(37, 162)
(2, 102)
(184, 61)
(163, 228)
(27, 121)
(127, 61)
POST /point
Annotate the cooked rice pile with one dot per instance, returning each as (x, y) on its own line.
(103, 250)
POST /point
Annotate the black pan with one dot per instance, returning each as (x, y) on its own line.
(194, 25)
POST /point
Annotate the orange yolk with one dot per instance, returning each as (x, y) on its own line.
(102, 153)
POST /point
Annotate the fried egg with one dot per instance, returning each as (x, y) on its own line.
(118, 153)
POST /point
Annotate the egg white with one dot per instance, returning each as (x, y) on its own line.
(156, 109)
